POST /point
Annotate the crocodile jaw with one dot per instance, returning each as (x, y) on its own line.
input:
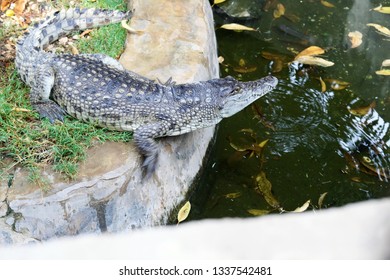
(246, 93)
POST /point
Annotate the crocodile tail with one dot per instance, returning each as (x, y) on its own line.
(30, 46)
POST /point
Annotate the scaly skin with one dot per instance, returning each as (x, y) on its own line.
(96, 88)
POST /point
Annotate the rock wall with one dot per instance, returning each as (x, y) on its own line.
(175, 39)
(356, 231)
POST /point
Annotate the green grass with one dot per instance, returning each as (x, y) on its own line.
(28, 141)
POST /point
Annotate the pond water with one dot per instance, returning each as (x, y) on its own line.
(320, 140)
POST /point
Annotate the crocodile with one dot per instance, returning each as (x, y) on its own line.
(96, 88)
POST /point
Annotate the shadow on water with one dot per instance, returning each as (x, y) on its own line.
(334, 140)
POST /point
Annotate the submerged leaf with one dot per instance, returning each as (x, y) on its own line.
(279, 11)
(321, 199)
(245, 69)
(302, 208)
(355, 38)
(362, 111)
(312, 60)
(183, 212)
(323, 85)
(233, 195)
(327, 4)
(264, 186)
(381, 29)
(257, 212)
(237, 27)
(337, 84)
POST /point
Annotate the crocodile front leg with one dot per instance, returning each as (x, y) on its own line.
(40, 94)
(144, 139)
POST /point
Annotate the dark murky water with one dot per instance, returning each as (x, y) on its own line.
(315, 144)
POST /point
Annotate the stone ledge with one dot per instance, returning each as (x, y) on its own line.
(356, 231)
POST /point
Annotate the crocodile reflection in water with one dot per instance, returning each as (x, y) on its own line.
(367, 139)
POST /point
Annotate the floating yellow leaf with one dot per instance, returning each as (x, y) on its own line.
(381, 29)
(327, 4)
(218, 1)
(302, 208)
(310, 51)
(355, 38)
(362, 111)
(237, 27)
(383, 72)
(183, 212)
(233, 195)
(312, 60)
(279, 11)
(383, 10)
(386, 63)
(264, 186)
(321, 199)
(257, 212)
(323, 85)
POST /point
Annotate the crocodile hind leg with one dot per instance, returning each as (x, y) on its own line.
(40, 94)
(144, 139)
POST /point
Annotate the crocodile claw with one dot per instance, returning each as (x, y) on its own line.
(51, 110)
(149, 165)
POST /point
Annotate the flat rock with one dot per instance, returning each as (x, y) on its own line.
(175, 39)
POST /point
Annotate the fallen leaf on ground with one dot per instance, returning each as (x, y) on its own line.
(20, 5)
(127, 27)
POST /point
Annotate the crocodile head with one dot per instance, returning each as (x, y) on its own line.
(241, 94)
